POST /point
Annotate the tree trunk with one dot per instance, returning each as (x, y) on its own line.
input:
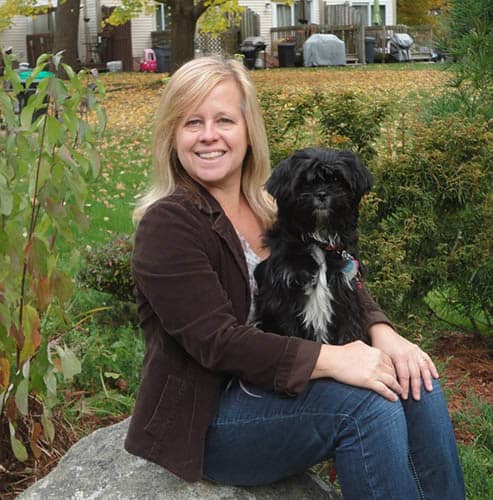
(184, 16)
(67, 31)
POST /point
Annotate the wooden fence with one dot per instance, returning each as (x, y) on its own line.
(296, 34)
(352, 36)
(250, 24)
(37, 45)
(299, 34)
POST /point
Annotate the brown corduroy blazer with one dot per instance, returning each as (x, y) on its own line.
(193, 298)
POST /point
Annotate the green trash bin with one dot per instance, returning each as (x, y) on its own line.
(23, 97)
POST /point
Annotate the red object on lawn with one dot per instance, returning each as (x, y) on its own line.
(149, 63)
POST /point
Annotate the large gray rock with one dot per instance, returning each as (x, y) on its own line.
(97, 467)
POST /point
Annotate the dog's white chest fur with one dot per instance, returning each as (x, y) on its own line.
(318, 310)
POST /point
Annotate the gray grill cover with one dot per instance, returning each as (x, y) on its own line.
(324, 50)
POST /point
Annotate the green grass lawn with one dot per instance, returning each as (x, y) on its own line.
(126, 164)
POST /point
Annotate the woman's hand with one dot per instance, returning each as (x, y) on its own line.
(360, 365)
(410, 362)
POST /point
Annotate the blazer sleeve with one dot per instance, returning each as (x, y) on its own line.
(172, 270)
(373, 312)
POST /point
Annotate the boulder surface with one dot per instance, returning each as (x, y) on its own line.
(97, 467)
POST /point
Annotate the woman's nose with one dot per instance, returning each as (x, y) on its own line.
(209, 132)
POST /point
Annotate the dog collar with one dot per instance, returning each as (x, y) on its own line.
(351, 269)
(329, 247)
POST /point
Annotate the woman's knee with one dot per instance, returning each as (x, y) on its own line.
(355, 403)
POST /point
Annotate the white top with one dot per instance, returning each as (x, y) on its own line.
(252, 259)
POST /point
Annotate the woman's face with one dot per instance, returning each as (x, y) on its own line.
(212, 140)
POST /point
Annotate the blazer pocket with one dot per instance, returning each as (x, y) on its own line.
(164, 414)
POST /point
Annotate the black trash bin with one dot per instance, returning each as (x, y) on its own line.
(370, 44)
(250, 47)
(286, 52)
(163, 59)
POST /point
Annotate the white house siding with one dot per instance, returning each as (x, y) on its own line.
(264, 9)
(141, 35)
(88, 30)
(141, 28)
(315, 12)
(267, 12)
(15, 36)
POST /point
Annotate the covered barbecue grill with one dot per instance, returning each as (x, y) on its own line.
(400, 47)
(324, 50)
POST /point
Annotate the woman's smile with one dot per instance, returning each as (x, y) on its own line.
(210, 155)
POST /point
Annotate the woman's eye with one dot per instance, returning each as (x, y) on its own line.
(224, 119)
(194, 122)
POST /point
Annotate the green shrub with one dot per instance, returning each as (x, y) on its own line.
(286, 116)
(432, 205)
(107, 268)
(304, 118)
(470, 41)
(351, 121)
(111, 357)
(48, 153)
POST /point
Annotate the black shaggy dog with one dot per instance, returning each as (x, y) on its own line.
(308, 286)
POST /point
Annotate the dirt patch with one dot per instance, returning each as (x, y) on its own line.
(469, 367)
(468, 371)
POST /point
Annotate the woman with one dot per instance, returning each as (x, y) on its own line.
(223, 400)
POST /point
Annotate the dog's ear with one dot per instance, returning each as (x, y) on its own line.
(356, 174)
(281, 181)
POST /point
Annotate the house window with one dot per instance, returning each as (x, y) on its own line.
(302, 12)
(291, 15)
(382, 15)
(44, 23)
(162, 17)
(363, 13)
(283, 15)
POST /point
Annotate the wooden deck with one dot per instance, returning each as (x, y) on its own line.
(354, 39)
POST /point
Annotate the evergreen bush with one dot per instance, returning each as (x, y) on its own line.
(428, 224)
(107, 268)
(346, 120)
(351, 121)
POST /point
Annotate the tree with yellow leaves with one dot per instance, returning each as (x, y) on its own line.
(11, 8)
(214, 17)
(418, 12)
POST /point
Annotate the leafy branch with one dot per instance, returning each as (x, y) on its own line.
(49, 155)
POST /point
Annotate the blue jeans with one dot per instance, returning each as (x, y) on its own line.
(390, 450)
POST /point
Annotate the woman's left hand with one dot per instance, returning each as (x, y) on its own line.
(410, 362)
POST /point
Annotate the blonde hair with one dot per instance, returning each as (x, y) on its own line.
(185, 91)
